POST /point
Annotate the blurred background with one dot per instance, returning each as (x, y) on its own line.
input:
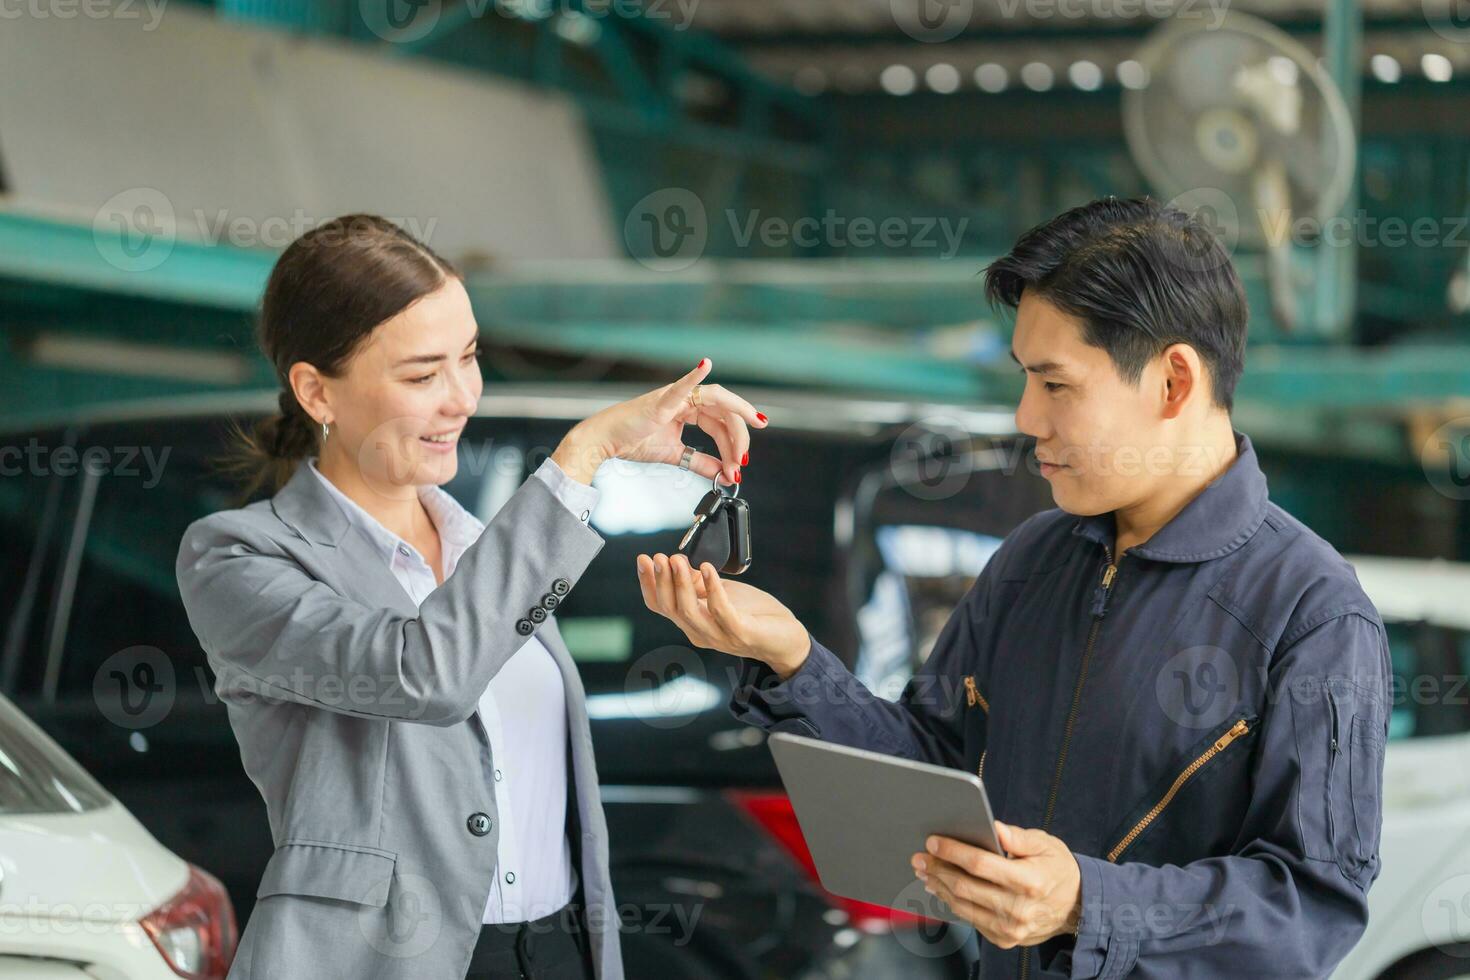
(803, 190)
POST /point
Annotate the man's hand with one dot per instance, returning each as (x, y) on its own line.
(731, 617)
(1023, 900)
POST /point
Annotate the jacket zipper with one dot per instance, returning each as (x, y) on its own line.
(973, 695)
(1236, 730)
(972, 698)
(1099, 610)
(1332, 748)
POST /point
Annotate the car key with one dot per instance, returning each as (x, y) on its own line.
(720, 533)
(738, 518)
(711, 503)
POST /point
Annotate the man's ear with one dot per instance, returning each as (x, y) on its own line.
(1183, 377)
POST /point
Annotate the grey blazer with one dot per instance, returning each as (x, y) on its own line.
(356, 717)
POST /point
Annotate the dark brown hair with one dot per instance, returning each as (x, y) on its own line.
(328, 291)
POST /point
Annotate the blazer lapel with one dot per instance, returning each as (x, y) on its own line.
(308, 509)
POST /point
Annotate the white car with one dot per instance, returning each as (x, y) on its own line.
(1419, 909)
(85, 892)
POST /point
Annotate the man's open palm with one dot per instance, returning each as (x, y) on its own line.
(731, 617)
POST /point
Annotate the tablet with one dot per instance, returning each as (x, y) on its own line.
(865, 814)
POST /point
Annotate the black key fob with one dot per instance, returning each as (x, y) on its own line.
(720, 533)
(738, 520)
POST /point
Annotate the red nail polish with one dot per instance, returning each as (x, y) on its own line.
(761, 416)
(737, 476)
(701, 363)
(745, 459)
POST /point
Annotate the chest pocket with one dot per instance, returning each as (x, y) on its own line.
(325, 869)
(1166, 824)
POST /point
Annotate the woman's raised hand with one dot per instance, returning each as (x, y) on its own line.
(650, 429)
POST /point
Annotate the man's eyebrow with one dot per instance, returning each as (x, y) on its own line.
(428, 358)
(1045, 367)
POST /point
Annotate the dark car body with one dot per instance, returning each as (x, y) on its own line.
(708, 867)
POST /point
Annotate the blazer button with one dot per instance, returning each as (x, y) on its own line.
(525, 627)
(538, 615)
(550, 601)
(479, 824)
(561, 586)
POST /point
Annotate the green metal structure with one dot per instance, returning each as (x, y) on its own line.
(74, 327)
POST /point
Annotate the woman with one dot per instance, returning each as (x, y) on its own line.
(394, 676)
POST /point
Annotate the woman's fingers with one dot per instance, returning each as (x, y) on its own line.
(676, 396)
(739, 438)
(721, 401)
(729, 457)
(703, 464)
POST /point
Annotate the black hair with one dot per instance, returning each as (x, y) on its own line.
(1140, 276)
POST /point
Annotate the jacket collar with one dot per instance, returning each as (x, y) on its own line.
(305, 506)
(1221, 517)
(322, 514)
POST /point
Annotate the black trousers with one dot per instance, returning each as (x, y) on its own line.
(554, 947)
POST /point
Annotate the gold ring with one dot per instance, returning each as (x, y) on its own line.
(696, 396)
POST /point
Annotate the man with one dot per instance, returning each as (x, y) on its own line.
(1176, 693)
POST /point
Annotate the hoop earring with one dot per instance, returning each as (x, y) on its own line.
(324, 432)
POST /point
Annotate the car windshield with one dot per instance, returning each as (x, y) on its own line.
(36, 776)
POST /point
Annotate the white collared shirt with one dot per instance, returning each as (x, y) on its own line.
(523, 710)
